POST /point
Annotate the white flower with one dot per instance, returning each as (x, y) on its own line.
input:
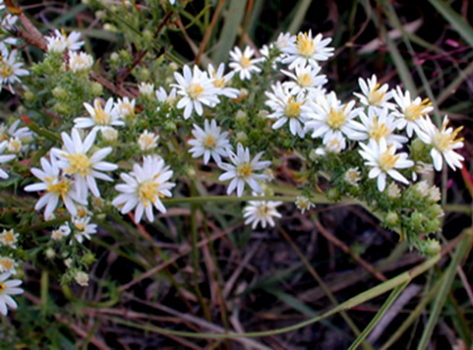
(305, 79)
(56, 186)
(444, 142)
(146, 89)
(23, 134)
(383, 161)
(333, 142)
(144, 187)
(261, 212)
(7, 288)
(432, 193)
(72, 40)
(243, 170)
(307, 50)
(109, 134)
(196, 90)
(62, 231)
(373, 94)
(352, 176)
(243, 63)
(99, 117)
(220, 81)
(328, 116)
(284, 40)
(8, 238)
(148, 140)
(421, 168)
(80, 61)
(379, 123)
(125, 107)
(163, 96)
(14, 145)
(83, 228)
(82, 278)
(286, 107)
(4, 158)
(210, 142)
(393, 190)
(7, 265)
(410, 111)
(56, 44)
(75, 160)
(10, 69)
(303, 203)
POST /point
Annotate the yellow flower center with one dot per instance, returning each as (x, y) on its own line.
(244, 170)
(61, 188)
(6, 70)
(194, 90)
(336, 118)
(8, 237)
(352, 176)
(219, 83)
(2, 286)
(81, 212)
(126, 109)
(293, 108)
(147, 141)
(305, 80)
(375, 97)
(148, 191)
(414, 112)
(378, 130)
(100, 117)
(14, 146)
(210, 142)
(388, 160)
(79, 226)
(245, 62)
(7, 264)
(443, 141)
(79, 164)
(263, 210)
(305, 46)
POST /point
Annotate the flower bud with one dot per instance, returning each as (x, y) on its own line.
(241, 118)
(431, 247)
(29, 96)
(241, 137)
(81, 278)
(88, 258)
(170, 126)
(60, 93)
(391, 219)
(333, 194)
(96, 88)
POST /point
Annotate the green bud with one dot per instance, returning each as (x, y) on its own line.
(88, 258)
(148, 35)
(431, 247)
(418, 148)
(417, 221)
(191, 172)
(124, 55)
(96, 88)
(173, 66)
(62, 108)
(114, 57)
(431, 226)
(263, 114)
(333, 194)
(50, 253)
(434, 211)
(142, 74)
(241, 118)
(391, 219)
(170, 126)
(29, 96)
(241, 137)
(59, 93)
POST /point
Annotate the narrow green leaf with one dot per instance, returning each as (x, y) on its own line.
(387, 304)
(233, 18)
(39, 130)
(457, 21)
(462, 250)
(299, 15)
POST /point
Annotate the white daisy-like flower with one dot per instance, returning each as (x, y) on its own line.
(4, 158)
(24, 134)
(444, 142)
(196, 90)
(243, 170)
(61, 232)
(163, 96)
(75, 160)
(327, 116)
(352, 176)
(379, 123)
(8, 288)
(83, 228)
(8, 238)
(8, 265)
(384, 161)
(307, 50)
(148, 140)
(73, 42)
(8, 24)
(334, 142)
(10, 69)
(261, 212)
(56, 186)
(144, 187)
(80, 62)
(374, 95)
(109, 134)
(303, 203)
(284, 40)
(125, 108)
(14, 145)
(286, 107)
(243, 63)
(421, 168)
(209, 142)
(99, 117)
(220, 81)
(306, 79)
(410, 111)
(56, 44)
(146, 89)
